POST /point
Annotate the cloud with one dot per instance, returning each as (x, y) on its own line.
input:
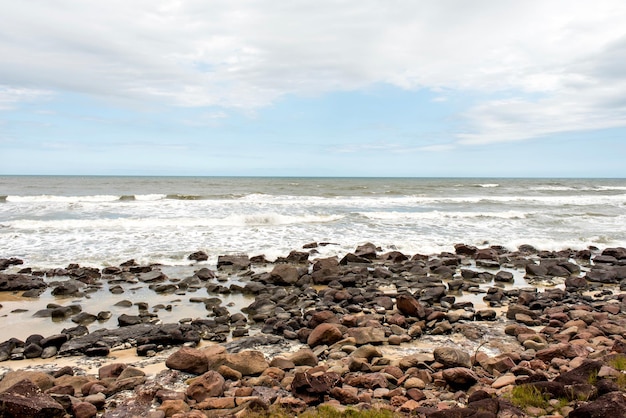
(555, 66)
(11, 97)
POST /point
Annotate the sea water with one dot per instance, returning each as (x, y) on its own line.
(50, 221)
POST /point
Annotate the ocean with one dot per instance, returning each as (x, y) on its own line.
(51, 221)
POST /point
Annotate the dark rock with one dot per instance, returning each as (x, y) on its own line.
(464, 249)
(198, 256)
(311, 388)
(580, 374)
(15, 282)
(24, 400)
(609, 405)
(602, 276)
(351, 258)
(32, 350)
(460, 377)
(205, 274)
(152, 276)
(84, 318)
(367, 250)
(54, 340)
(127, 320)
(536, 270)
(235, 262)
(284, 275)
(504, 276)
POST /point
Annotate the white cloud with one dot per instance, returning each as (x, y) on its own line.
(10, 97)
(560, 63)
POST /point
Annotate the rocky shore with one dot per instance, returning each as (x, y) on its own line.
(481, 332)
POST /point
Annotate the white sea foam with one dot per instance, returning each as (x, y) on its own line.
(94, 225)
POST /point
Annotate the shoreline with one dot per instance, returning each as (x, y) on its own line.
(396, 306)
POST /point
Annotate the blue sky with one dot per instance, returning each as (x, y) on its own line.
(324, 88)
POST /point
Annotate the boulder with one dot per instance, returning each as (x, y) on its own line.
(24, 399)
(325, 333)
(198, 256)
(16, 282)
(248, 362)
(284, 275)
(452, 357)
(234, 262)
(612, 404)
(460, 377)
(367, 335)
(410, 306)
(188, 360)
(210, 384)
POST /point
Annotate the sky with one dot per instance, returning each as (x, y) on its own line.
(459, 88)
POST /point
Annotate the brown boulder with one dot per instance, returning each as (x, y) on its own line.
(210, 384)
(248, 362)
(325, 333)
(25, 400)
(410, 306)
(460, 377)
(188, 360)
(612, 404)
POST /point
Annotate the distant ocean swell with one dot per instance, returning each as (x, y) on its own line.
(100, 221)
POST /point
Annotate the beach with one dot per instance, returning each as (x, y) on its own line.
(280, 281)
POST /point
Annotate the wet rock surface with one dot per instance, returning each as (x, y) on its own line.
(369, 330)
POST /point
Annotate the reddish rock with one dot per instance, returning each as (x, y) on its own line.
(325, 333)
(311, 387)
(24, 399)
(460, 377)
(111, 370)
(84, 410)
(410, 306)
(210, 384)
(188, 360)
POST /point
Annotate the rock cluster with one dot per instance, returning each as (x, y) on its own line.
(351, 321)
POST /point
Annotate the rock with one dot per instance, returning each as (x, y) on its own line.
(235, 262)
(303, 357)
(410, 306)
(284, 275)
(24, 399)
(367, 335)
(198, 256)
(188, 360)
(460, 377)
(210, 384)
(354, 259)
(580, 374)
(84, 318)
(612, 404)
(504, 276)
(248, 362)
(153, 276)
(125, 320)
(367, 251)
(205, 274)
(84, 410)
(311, 387)
(32, 351)
(16, 282)
(40, 379)
(325, 333)
(452, 357)
(172, 407)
